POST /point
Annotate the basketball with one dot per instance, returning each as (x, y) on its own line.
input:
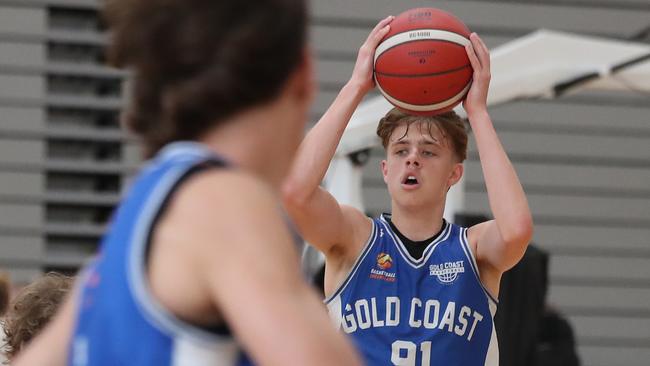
(421, 65)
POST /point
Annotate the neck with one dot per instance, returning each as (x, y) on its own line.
(417, 224)
(254, 141)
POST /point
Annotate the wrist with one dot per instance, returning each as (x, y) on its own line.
(355, 88)
(480, 114)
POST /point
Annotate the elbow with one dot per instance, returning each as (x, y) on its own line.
(293, 196)
(521, 232)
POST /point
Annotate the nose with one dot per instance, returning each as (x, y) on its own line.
(412, 160)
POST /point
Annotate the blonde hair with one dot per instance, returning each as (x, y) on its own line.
(450, 125)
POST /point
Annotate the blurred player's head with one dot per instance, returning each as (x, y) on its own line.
(5, 292)
(198, 65)
(424, 156)
(32, 309)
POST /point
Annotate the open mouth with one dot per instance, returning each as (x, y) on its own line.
(410, 181)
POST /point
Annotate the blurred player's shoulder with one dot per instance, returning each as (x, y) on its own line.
(226, 194)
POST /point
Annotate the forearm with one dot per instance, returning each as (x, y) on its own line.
(316, 341)
(319, 146)
(506, 195)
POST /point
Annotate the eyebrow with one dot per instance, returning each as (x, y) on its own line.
(408, 142)
(402, 142)
(430, 142)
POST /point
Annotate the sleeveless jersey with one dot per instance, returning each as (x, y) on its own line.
(403, 311)
(119, 322)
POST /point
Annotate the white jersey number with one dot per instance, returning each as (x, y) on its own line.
(410, 348)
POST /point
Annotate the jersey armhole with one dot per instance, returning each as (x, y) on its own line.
(362, 255)
(137, 263)
(467, 249)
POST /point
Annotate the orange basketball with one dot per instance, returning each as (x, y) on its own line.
(421, 65)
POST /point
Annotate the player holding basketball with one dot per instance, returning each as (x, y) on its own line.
(199, 263)
(409, 287)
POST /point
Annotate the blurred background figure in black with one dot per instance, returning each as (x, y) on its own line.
(529, 331)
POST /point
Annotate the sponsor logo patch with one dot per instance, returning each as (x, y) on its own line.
(447, 272)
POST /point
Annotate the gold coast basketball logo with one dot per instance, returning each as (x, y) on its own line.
(384, 262)
(447, 272)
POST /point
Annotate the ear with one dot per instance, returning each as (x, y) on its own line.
(384, 170)
(302, 84)
(456, 174)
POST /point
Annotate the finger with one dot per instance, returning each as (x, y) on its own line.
(382, 23)
(486, 52)
(480, 50)
(376, 37)
(379, 27)
(483, 45)
(476, 64)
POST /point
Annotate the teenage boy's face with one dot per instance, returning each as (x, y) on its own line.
(420, 165)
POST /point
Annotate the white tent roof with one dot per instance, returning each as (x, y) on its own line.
(542, 64)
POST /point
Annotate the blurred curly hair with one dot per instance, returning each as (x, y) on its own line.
(197, 62)
(32, 309)
(5, 289)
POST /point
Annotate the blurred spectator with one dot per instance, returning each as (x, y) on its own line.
(5, 296)
(556, 345)
(529, 332)
(31, 309)
(5, 292)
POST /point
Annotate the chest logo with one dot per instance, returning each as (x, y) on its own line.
(384, 261)
(447, 272)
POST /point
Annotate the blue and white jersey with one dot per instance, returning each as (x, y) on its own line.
(403, 311)
(119, 322)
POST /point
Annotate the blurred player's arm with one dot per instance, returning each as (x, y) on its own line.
(50, 347)
(247, 260)
(499, 243)
(322, 221)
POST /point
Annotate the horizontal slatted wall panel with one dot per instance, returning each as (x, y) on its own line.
(66, 158)
(22, 248)
(85, 147)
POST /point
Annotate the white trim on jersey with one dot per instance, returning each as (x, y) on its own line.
(371, 241)
(470, 255)
(184, 149)
(401, 248)
(492, 356)
(187, 353)
(149, 307)
(335, 310)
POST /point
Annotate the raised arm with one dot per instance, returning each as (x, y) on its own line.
(499, 243)
(321, 220)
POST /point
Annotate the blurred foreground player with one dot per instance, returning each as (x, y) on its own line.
(199, 263)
